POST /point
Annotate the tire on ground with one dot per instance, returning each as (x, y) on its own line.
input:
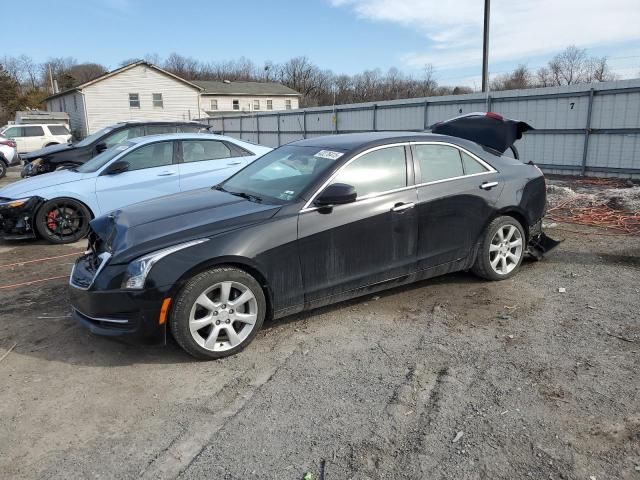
(482, 266)
(186, 298)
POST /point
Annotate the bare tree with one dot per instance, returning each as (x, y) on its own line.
(568, 66)
(85, 72)
(597, 70)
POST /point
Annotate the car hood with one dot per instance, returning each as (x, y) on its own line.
(165, 221)
(29, 186)
(43, 152)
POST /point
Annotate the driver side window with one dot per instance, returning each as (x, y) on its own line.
(149, 156)
(122, 135)
(376, 172)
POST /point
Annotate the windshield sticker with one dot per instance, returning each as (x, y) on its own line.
(288, 195)
(331, 155)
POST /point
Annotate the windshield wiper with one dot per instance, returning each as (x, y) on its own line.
(248, 196)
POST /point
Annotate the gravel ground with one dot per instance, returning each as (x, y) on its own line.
(449, 378)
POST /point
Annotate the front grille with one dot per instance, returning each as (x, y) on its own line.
(87, 268)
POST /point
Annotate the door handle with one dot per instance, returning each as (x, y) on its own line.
(235, 163)
(488, 185)
(166, 173)
(401, 207)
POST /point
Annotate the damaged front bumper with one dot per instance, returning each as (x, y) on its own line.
(539, 242)
(17, 217)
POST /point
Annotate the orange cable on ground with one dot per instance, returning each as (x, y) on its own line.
(24, 284)
(603, 216)
(39, 260)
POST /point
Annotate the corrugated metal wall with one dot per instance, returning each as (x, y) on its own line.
(591, 129)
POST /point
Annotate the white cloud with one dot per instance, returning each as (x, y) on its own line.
(520, 29)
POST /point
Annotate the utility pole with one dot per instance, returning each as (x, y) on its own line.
(53, 90)
(485, 47)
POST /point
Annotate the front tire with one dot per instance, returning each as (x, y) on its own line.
(501, 249)
(218, 313)
(63, 220)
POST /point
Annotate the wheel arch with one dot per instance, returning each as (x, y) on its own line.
(241, 263)
(65, 197)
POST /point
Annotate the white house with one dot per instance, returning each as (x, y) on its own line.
(143, 91)
(218, 98)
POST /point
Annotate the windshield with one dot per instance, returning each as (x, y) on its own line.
(94, 136)
(99, 161)
(282, 174)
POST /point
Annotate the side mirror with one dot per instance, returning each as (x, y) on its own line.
(117, 167)
(336, 194)
(101, 147)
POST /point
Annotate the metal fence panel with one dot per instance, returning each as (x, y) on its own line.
(591, 129)
(403, 117)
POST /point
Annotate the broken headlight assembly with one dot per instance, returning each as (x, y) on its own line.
(14, 203)
(138, 270)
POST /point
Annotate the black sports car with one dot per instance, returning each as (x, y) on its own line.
(311, 223)
(55, 157)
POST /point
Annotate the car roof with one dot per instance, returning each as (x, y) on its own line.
(181, 136)
(158, 122)
(353, 141)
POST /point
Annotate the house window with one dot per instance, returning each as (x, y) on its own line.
(236, 104)
(134, 100)
(157, 100)
(287, 104)
(214, 104)
(269, 104)
(256, 104)
(75, 103)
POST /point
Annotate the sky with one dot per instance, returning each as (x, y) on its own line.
(346, 36)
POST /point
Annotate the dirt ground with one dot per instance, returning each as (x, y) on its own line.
(449, 378)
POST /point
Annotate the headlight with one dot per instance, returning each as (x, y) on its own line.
(15, 203)
(138, 270)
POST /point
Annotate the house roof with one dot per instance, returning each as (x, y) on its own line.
(120, 70)
(244, 88)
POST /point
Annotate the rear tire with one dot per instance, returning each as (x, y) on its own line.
(501, 249)
(218, 313)
(62, 220)
(3, 168)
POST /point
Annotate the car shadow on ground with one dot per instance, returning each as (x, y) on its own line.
(50, 334)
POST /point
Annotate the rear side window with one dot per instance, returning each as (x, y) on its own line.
(438, 162)
(58, 130)
(160, 129)
(33, 131)
(199, 150)
(471, 165)
(376, 172)
(189, 128)
(149, 156)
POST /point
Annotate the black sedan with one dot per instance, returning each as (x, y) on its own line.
(311, 223)
(56, 157)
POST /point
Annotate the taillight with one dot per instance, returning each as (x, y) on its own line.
(9, 143)
(494, 115)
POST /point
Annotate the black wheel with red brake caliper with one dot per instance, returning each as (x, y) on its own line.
(62, 220)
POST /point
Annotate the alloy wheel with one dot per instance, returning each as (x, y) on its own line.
(505, 250)
(64, 221)
(223, 316)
